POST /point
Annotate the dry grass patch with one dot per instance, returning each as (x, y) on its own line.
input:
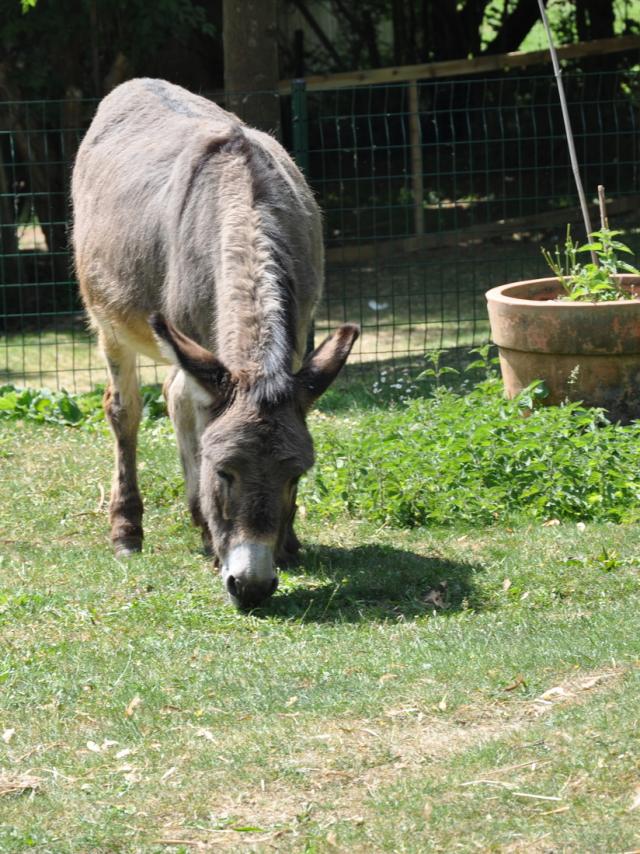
(357, 759)
(17, 784)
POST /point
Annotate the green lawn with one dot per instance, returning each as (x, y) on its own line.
(460, 688)
(404, 306)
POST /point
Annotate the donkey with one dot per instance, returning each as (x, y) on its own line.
(198, 243)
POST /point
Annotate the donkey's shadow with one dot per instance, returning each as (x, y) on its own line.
(374, 582)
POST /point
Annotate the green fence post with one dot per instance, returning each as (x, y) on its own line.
(300, 133)
(300, 124)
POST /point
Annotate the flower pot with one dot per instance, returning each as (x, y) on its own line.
(584, 351)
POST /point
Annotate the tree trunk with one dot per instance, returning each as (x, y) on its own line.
(399, 32)
(251, 62)
(515, 27)
(595, 19)
(448, 36)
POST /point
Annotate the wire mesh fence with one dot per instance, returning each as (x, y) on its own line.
(429, 204)
(433, 191)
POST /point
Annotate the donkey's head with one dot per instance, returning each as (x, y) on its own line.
(253, 450)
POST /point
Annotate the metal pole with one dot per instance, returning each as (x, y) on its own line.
(415, 137)
(300, 124)
(567, 127)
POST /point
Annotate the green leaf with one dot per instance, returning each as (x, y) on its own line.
(8, 402)
(628, 268)
(70, 410)
(590, 247)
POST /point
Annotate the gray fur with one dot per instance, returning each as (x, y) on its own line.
(156, 188)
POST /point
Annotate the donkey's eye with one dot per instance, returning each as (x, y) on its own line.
(226, 476)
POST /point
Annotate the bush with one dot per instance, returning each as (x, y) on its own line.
(61, 407)
(473, 458)
(454, 457)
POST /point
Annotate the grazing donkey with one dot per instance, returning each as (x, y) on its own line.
(197, 242)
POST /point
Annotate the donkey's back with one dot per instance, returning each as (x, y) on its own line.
(162, 188)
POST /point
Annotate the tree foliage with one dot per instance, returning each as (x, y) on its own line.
(404, 32)
(74, 50)
(83, 47)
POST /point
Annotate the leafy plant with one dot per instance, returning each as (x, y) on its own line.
(591, 282)
(468, 456)
(437, 371)
(485, 362)
(41, 405)
(61, 407)
(608, 559)
(459, 456)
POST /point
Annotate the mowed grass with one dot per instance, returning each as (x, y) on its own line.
(437, 689)
(404, 306)
(64, 360)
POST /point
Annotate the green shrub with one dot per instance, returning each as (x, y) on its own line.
(464, 456)
(61, 407)
(591, 282)
(473, 458)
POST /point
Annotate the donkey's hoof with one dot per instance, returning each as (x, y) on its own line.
(125, 548)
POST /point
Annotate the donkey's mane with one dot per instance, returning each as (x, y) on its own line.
(255, 301)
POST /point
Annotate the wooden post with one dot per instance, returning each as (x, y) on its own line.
(250, 41)
(300, 136)
(415, 139)
(604, 222)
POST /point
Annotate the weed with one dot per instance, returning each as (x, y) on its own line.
(471, 458)
(591, 282)
(63, 408)
(437, 370)
(458, 456)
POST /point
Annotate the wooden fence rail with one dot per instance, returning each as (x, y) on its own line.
(462, 67)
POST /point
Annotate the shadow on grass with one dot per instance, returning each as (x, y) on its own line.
(375, 582)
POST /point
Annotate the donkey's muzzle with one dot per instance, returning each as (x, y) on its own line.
(248, 595)
(249, 574)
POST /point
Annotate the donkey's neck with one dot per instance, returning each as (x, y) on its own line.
(254, 303)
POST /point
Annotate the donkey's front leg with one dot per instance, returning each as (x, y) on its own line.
(188, 420)
(288, 553)
(123, 410)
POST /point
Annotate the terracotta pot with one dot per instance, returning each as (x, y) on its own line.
(584, 351)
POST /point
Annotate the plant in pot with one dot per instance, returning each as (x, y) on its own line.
(578, 331)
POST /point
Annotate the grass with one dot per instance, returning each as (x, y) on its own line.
(72, 360)
(469, 687)
(67, 358)
(404, 306)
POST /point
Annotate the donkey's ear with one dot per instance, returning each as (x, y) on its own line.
(322, 366)
(185, 353)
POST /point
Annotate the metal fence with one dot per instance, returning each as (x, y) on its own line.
(432, 192)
